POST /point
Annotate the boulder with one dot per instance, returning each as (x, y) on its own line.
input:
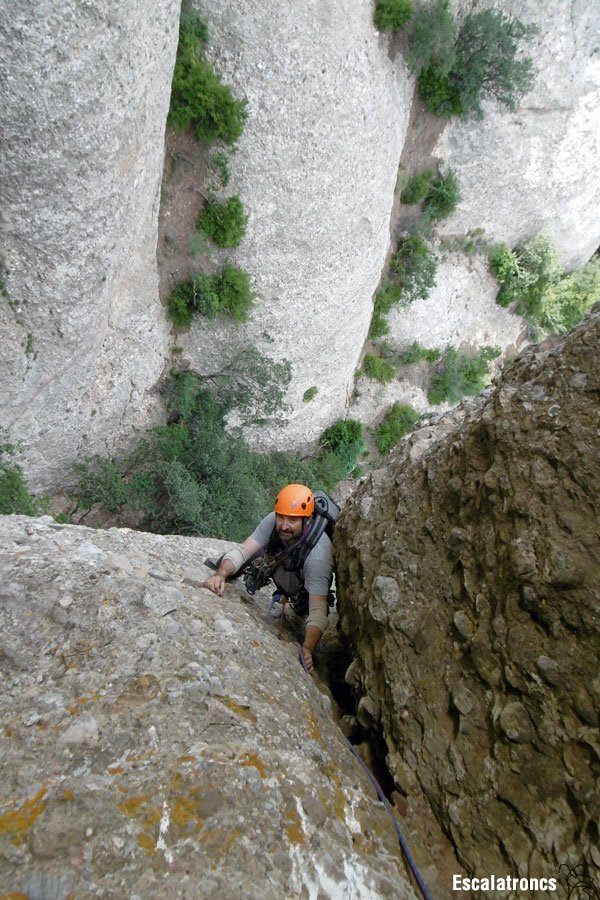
(468, 588)
(160, 741)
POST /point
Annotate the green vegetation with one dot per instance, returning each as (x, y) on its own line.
(417, 187)
(415, 353)
(378, 369)
(224, 222)
(442, 197)
(398, 420)
(482, 59)
(198, 96)
(387, 296)
(310, 394)
(460, 375)
(15, 497)
(391, 15)
(413, 268)
(344, 445)
(532, 278)
(227, 292)
(194, 477)
(432, 35)
(220, 165)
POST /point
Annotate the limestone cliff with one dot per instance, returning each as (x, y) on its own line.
(316, 168)
(469, 587)
(535, 169)
(85, 92)
(159, 741)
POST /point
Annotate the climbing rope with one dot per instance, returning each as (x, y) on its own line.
(387, 807)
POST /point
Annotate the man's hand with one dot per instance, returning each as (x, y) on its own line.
(216, 584)
(307, 657)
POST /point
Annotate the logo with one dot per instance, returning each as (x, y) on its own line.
(579, 885)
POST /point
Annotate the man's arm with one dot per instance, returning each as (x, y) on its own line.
(315, 626)
(231, 562)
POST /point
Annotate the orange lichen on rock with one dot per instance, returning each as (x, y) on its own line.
(253, 759)
(18, 821)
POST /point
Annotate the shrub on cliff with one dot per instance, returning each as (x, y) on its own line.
(391, 15)
(532, 279)
(378, 369)
(198, 96)
(227, 292)
(413, 268)
(344, 443)
(398, 421)
(417, 187)
(459, 375)
(484, 59)
(193, 476)
(442, 197)
(15, 497)
(224, 222)
(431, 38)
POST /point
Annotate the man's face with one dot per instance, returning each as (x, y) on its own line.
(289, 528)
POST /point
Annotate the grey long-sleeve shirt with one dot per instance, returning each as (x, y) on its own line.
(318, 566)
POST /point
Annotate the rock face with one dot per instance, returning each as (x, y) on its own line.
(316, 168)
(535, 170)
(85, 94)
(469, 587)
(159, 741)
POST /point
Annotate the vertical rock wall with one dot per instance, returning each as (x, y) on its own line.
(536, 170)
(85, 93)
(469, 586)
(316, 168)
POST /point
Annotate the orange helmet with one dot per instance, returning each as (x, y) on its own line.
(295, 500)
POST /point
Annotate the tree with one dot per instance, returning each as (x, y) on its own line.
(486, 61)
(431, 38)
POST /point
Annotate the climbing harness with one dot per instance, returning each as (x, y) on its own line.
(387, 807)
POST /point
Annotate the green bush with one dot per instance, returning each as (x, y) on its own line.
(460, 375)
(310, 394)
(220, 164)
(567, 301)
(194, 477)
(385, 298)
(415, 353)
(378, 369)
(378, 327)
(437, 92)
(224, 222)
(442, 196)
(417, 187)
(503, 264)
(391, 15)
(532, 278)
(414, 267)
(227, 292)
(198, 97)
(398, 420)
(431, 38)
(486, 60)
(100, 481)
(345, 441)
(15, 497)
(181, 305)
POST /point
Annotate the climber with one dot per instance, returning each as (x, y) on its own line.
(298, 565)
